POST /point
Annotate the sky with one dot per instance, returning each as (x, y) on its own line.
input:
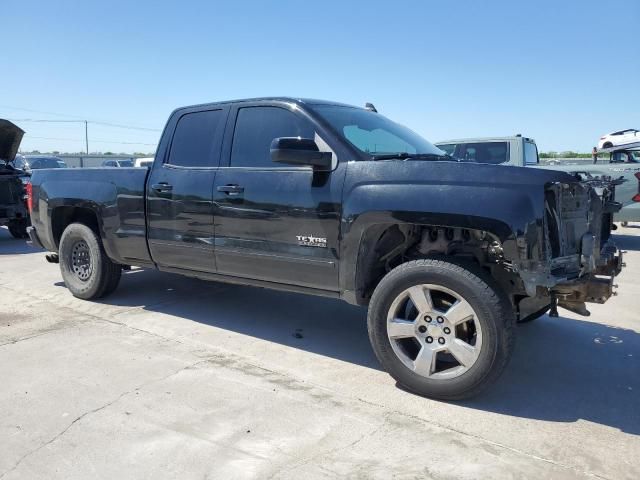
(562, 72)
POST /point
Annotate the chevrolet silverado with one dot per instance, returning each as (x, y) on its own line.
(328, 199)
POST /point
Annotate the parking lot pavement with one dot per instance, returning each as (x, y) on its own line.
(173, 377)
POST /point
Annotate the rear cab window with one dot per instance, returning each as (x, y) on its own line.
(530, 153)
(483, 152)
(449, 148)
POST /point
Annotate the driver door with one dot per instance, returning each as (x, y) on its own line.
(266, 213)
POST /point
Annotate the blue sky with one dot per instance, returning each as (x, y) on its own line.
(553, 70)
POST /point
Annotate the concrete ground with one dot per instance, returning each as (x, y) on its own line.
(172, 377)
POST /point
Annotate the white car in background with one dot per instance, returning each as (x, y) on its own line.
(619, 138)
(144, 162)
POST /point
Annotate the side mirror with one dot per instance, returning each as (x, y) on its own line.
(299, 151)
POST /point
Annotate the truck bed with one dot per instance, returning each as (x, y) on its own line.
(116, 195)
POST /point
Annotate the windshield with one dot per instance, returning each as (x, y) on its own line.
(374, 134)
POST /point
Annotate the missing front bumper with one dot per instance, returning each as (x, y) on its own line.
(570, 285)
(595, 287)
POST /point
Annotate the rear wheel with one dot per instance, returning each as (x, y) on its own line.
(86, 269)
(441, 328)
(607, 145)
(114, 280)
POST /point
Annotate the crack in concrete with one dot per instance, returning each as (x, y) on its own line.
(500, 445)
(308, 460)
(28, 337)
(95, 410)
(38, 334)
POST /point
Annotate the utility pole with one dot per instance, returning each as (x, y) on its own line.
(86, 135)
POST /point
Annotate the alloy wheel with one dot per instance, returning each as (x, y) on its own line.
(434, 331)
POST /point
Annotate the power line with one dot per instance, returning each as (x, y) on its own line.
(39, 111)
(107, 124)
(43, 121)
(78, 117)
(102, 140)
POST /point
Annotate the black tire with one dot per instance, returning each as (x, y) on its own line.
(18, 228)
(114, 280)
(534, 316)
(624, 224)
(99, 276)
(493, 311)
(607, 145)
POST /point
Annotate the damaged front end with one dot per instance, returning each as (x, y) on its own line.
(578, 261)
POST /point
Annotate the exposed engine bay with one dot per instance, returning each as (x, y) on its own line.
(567, 260)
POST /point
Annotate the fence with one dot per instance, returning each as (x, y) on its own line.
(80, 161)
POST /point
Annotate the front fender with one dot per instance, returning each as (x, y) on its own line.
(513, 213)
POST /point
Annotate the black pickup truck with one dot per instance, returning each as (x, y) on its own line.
(328, 199)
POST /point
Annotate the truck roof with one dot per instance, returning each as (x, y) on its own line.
(485, 139)
(296, 100)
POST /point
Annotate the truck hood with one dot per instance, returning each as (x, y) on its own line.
(451, 171)
(10, 138)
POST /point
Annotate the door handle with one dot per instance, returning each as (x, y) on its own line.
(162, 187)
(231, 190)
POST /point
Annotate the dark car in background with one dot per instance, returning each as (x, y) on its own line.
(35, 162)
(13, 209)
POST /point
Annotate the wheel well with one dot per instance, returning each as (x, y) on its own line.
(62, 217)
(383, 247)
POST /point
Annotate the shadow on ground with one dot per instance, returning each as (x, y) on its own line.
(627, 242)
(14, 246)
(563, 370)
(320, 325)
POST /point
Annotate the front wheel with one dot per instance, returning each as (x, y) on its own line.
(441, 328)
(86, 269)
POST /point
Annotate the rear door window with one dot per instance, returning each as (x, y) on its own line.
(196, 141)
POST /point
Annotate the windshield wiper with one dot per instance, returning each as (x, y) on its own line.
(407, 156)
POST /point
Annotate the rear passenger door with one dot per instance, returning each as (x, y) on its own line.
(276, 222)
(179, 191)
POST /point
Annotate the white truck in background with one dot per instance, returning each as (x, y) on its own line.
(522, 151)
